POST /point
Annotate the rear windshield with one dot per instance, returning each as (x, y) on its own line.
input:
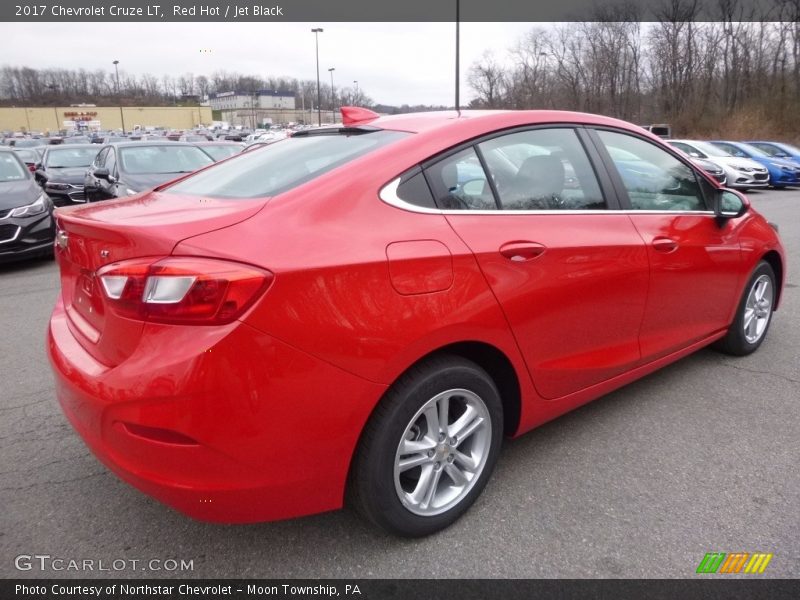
(162, 159)
(283, 165)
(220, 152)
(71, 157)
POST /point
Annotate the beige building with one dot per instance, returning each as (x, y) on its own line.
(102, 117)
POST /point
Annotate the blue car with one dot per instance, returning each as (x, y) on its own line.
(778, 150)
(782, 172)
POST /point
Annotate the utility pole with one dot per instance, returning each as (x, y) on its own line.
(333, 97)
(316, 31)
(119, 96)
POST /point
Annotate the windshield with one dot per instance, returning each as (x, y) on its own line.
(710, 149)
(789, 149)
(284, 165)
(220, 152)
(138, 160)
(754, 151)
(70, 157)
(10, 168)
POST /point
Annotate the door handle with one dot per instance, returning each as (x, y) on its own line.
(665, 245)
(522, 251)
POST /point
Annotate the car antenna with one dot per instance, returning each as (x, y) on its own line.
(458, 19)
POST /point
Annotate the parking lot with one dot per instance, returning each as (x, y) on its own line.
(699, 457)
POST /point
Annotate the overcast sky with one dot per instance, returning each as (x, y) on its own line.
(394, 63)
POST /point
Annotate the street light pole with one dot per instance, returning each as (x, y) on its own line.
(53, 89)
(333, 96)
(119, 97)
(316, 31)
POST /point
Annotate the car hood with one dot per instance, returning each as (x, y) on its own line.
(735, 160)
(18, 193)
(146, 181)
(66, 175)
(782, 162)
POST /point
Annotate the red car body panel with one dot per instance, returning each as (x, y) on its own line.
(258, 419)
(566, 347)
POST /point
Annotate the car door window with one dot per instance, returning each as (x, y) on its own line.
(542, 169)
(654, 178)
(460, 183)
(111, 162)
(101, 157)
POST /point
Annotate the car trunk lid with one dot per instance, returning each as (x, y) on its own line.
(92, 236)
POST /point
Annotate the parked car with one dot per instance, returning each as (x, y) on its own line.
(778, 150)
(127, 168)
(27, 227)
(781, 172)
(337, 316)
(27, 143)
(62, 171)
(220, 150)
(740, 173)
(30, 156)
(192, 138)
(713, 169)
(77, 139)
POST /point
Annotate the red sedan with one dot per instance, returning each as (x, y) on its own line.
(364, 311)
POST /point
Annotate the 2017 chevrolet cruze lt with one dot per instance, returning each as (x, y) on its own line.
(364, 312)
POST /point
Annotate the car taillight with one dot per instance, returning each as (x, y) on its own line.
(182, 290)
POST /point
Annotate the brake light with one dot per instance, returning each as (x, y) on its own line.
(182, 290)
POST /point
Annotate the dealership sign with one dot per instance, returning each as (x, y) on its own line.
(81, 116)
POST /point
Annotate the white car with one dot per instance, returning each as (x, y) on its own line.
(740, 173)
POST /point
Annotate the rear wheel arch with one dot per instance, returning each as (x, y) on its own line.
(774, 261)
(492, 360)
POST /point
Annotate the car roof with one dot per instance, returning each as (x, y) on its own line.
(66, 146)
(134, 143)
(491, 119)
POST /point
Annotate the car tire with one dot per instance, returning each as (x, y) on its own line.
(753, 315)
(410, 476)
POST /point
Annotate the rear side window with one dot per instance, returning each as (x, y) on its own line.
(460, 183)
(415, 190)
(284, 165)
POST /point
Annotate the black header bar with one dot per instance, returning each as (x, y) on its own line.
(323, 11)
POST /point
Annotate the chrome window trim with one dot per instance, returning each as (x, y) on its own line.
(11, 239)
(388, 194)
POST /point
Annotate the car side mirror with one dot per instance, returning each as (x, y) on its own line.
(729, 204)
(474, 187)
(102, 173)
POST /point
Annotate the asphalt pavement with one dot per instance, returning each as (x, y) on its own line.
(699, 457)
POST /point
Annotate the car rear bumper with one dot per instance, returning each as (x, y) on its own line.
(228, 426)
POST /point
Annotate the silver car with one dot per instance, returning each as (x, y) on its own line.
(741, 173)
